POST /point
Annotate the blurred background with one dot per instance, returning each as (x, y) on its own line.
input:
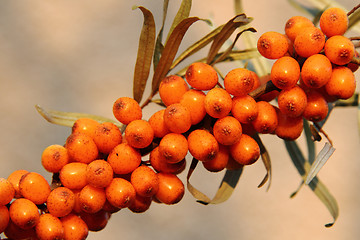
(79, 56)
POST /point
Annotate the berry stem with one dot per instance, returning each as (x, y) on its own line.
(353, 10)
(268, 87)
(356, 60)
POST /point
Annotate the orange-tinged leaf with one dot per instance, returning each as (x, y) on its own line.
(144, 55)
(170, 49)
(183, 12)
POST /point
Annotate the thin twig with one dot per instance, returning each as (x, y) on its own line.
(353, 10)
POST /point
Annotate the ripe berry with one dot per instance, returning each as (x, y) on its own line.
(7, 191)
(285, 72)
(54, 157)
(218, 103)
(272, 45)
(239, 82)
(74, 227)
(342, 83)
(126, 109)
(4, 218)
(201, 76)
(99, 173)
(34, 187)
(172, 88)
(194, 101)
(139, 133)
(171, 189)
(316, 108)
(158, 125)
(339, 49)
(81, 148)
(60, 202)
(266, 121)
(120, 193)
(244, 109)
(220, 161)
(92, 199)
(73, 175)
(288, 128)
(24, 213)
(107, 136)
(145, 181)
(292, 102)
(96, 221)
(49, 227)
(140, 204)
(246, 151)
(309, 42)
(202, 145)
(296, 25)
(14, 179)
(173, 147)
(177, 118)
(316, 71)
(227, 130)
(333, 21)
(124, 159)
(160, 164)
(85, 125)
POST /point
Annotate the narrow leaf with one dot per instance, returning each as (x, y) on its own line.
(68, 118)
(225, 33)
(309, 142)
(170, 49)
(195, 192)
(266, 160)
(183, 13)
(158, 45)
(316, 185)
(238, 6)
(144, 55)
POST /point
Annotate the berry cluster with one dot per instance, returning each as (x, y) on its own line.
(101, 169)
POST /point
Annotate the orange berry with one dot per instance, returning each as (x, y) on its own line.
(140, 204)
(7, 191)
(295, 25)
(171, 89)
(74, 227)
(244, 109)
(309, 41)
(85, 125)
(77, 206)
(227, 130)
(139, 133)
(49, 227)
(4, 218)
(201, 76)
(233, 165)
(171, 188)
(34, 187)
(246, 151)
(54, 157)
(339, 49)
(272, 45)
(126, 109)
(13, 231)
(145, 181)
(92, 199)
(239, 82)
(353, 66)
(316, 108)
(174, 147)
(124, 159)
(220, 161)
(24, 213)
(110, 208)
(285, 72)
(266, 121)
(342, 83)
(73, 175)
(60, 202)
(316, 71)
(288, 128)
(99, 173)
(14, 179)
(194, 101)
(96, 221)
(160, 164)
(81, 148)
(218, 103)
(202, 145)
(157, 123)
(292, 102)
(177, 118)
(120, 193)
(107, 136)
(334, 21)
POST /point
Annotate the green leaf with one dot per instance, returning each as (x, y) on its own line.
(225, 190)
(183, 13)
(159, 47)
(266, 160)
(144, 55)
(225, 33)
(320, 190)
(170, 49)
(68, 118)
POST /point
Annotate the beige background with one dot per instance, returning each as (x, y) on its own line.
(78, 56)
